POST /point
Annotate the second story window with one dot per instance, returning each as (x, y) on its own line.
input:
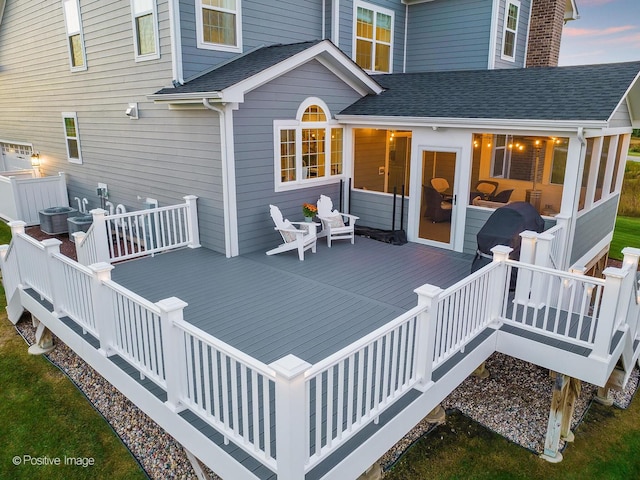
(510, 35)
(145, 29)
(373, 43)
(219, 25)
(75, 38)
(72, 137)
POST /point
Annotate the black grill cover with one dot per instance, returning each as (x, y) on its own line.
(503, 228)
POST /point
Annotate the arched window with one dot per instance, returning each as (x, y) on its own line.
(308, 149)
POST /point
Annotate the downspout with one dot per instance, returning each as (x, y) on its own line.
(493, 35)
(176, 42)
(228, 181)
(324, 19)
(335, 23)
(406, 33)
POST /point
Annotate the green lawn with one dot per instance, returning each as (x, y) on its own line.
(626, 234)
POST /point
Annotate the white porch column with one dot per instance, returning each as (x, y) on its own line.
(608, 312)
(103, 310)
(428, 296)
(292, 441)
(173, 347)
(192, 220)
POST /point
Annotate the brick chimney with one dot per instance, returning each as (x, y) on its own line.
(545, 32)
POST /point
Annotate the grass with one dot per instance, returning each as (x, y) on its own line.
(43, 415)
(626, 234)
(606, 447)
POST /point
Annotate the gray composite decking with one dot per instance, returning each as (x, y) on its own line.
(271, 306)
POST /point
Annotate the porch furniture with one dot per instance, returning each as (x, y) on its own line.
(502, 197)
(335, 225)
(484, 188)
(301, 238)
(437, 208)
(440, 185)
(479, 202)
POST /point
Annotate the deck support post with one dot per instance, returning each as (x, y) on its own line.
(609, 311)
(102, 311)
(192, 221)
(428, 299)
(171, 310)
(292, 441)
(565, 393)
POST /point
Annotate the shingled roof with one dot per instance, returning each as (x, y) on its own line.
(581, 93)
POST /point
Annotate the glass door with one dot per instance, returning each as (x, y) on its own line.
(438, 198)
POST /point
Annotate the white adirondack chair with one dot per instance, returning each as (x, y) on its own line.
(302, 238)
(335, 225)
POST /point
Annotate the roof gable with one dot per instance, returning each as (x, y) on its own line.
(585, 93)
(232, 80)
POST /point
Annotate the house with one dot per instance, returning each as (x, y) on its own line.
(156, 101)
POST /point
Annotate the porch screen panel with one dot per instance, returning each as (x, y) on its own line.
(602, 167)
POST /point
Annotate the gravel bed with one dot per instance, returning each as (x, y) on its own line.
(513, 402)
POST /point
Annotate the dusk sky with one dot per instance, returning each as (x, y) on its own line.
(607, 31)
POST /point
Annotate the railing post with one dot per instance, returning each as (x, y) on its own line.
(542, 258)
(630, 260)
(100, 235)
(103, 310)
(527, 255)
(608, 311)
(499, 282)
(428, 296)
(562, 220)
(171, 310)
(51, 246)
(192, 221)
(17, 227)
(292, 440)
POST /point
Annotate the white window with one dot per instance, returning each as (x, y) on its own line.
(373, 40)
(75, 38)
(72, 137)
(15, 156)
(510, 34)
(219, 25)
(308, 150)
(145, 29)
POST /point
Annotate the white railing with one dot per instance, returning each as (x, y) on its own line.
(356, 384)
(33, 265)
(130, 235)
(230, 390)
(72, 292)
(557, 245)
(137, 332)
(9, 267)
(559, 305)
(462, 311)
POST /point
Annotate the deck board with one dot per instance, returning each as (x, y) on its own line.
(270, 306)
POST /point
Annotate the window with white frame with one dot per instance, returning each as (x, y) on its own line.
(510, 34)
(145, 29)
(75, 38)
(219, 25)
(308, 150)
(72, 137)
(373, 42)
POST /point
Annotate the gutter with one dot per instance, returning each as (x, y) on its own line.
(230, 211)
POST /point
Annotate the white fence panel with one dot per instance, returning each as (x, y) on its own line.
(33, 261)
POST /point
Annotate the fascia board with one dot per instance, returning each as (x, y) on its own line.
(632, 97)
(437, 122)
(195, 97)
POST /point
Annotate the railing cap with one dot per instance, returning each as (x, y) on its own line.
(289, 366)
(528, 234)
(428, 290)
(100, 267)
(171, 304)
(614, 272)
(51, 242)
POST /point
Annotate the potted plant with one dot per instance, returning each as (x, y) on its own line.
(309, 210)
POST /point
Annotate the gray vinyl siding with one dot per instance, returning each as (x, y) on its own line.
(449, 35)
(263, 23)
(593, 226)
(347, 21)
(165, 155)
(254, 150)
(376, 209)
(521, 41)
